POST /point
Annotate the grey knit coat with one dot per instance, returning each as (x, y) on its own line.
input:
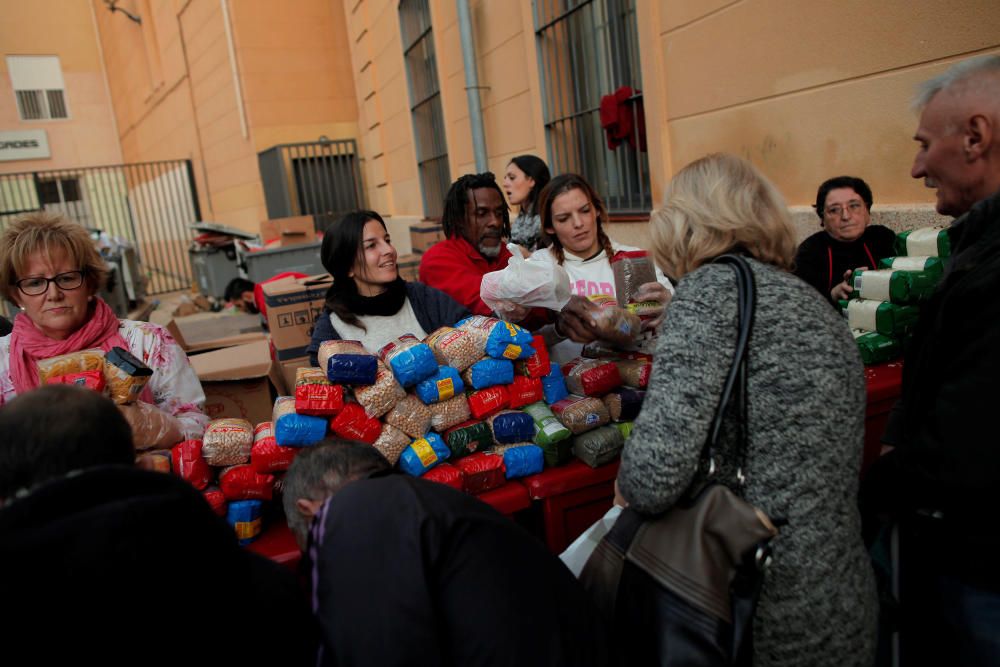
(806, 410)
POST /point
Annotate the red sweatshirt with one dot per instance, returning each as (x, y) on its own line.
(457, 269)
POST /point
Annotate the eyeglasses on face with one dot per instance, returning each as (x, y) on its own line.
(65, 281)
(853, 207)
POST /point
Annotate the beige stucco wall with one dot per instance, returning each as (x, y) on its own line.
(179, 93)
(64, 29)
(811, 89)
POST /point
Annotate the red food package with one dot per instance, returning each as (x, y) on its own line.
(447, 474)
(537, 365)
(267, 455)
(483, 471)
(353, 423)
(635, 372)
(189, 464)
(485, 402)
(216, 500)
(242, 482)
(315, 395)
(591, 377)
(525, 391)
(89, 379)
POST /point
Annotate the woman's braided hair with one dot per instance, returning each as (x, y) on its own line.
(561, 185)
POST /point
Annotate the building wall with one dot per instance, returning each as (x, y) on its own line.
(812, 89)
(64, 29)
(180, 91)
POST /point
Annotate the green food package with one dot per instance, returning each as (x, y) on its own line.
(876, 348)
(468, 437)
(888, 319)
(892, 285)
(625, 428)
(548, 429)
(558, 453)
(600, 446)
(931, 265)
(931, 241)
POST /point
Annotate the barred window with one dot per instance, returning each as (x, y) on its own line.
(425, 103)
(588, 57)
(38, 86)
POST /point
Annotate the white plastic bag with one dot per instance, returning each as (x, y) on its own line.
(532, 283)
(578, 553)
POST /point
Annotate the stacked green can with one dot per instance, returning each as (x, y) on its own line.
(884, 304)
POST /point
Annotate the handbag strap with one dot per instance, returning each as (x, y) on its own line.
(746, 303)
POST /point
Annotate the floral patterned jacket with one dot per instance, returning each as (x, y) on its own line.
(174, 385)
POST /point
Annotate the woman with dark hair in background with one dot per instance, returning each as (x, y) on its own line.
(523, 180)
(368, 301)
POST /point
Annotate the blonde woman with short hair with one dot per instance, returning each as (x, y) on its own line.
(805, 410)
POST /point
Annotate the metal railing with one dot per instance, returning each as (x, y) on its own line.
(148, 204)
(320, 178)
(588, 49)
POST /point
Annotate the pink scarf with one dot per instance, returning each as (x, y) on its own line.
(28, 344)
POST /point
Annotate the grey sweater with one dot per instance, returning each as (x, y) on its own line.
(806, 411)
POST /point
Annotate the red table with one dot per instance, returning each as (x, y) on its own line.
(572, 497)
(883, 381)
(510, 498)
(278, 544)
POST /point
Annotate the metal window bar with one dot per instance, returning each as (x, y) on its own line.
(29, 103)
(425, 103)
(588, 49)
(321, 178)
(57, 104)
(149, 205)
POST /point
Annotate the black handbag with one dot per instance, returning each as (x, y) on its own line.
(682, 588)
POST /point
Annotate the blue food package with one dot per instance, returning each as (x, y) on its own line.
(554, 385)
(423, 454)
(512, 426)
(410, 360)
(295, 430)
(441, 386)
(244, 517)
(501, 340)
(352, 369)
(489, 372)
(523, 460)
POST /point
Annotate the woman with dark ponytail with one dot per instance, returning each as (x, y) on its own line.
(523, 180)
(368, 301)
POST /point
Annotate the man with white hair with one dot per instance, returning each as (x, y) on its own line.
(945, 469)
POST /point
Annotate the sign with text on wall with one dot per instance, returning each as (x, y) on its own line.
(23, 145)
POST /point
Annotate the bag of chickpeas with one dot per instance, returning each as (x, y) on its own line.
(227, 442)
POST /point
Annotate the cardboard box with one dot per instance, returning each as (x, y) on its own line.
(286, 369)
(293, 304)
(409, 268)
(425, 234)
(288, 231)
(210, 331)
(237, 381)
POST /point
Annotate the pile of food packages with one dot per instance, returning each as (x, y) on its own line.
(883, 309)
(471, 406)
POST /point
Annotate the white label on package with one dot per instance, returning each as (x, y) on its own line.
(861, 314)
(918, 263)
(923, 241)
(874, 284)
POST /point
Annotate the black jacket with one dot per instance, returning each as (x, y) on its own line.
(947, 457)
(412, 572)
(433, 308)
(118, 565)
(821, 259)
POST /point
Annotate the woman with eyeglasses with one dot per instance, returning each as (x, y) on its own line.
(50, 269)
(826, 259)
